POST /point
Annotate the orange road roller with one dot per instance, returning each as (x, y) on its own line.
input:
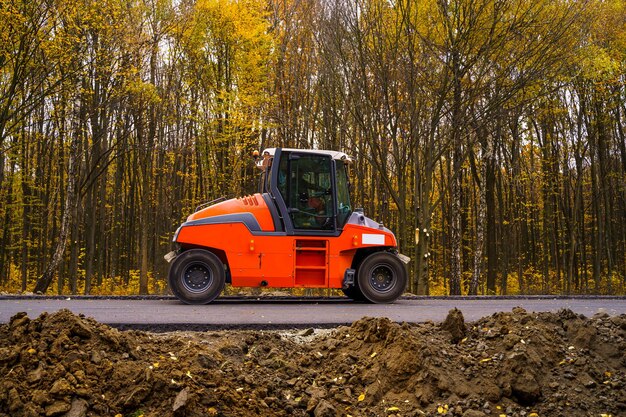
(299, 231)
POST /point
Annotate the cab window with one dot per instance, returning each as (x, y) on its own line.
(343, 194)
(307, 191)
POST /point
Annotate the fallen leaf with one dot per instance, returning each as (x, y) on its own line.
(392, 409)
(373, 354)
(485, 360)
(361, 397)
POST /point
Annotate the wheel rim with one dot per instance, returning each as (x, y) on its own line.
(197, 277)
(382, 278)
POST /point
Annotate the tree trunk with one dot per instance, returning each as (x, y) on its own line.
(44, 280)
(423, 218)
(455, 226)
(491, 245)
(26, 207)
(5, 258)
(480, 220)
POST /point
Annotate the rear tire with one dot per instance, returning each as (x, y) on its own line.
(382, 277)
(197, 276)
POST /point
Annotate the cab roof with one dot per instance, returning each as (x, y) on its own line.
(333, 154)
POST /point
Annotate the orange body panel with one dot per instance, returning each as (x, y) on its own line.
(253, 204)
(280, 260)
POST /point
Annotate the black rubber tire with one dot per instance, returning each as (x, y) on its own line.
(197, 276)
(382, 277)
(354, 293)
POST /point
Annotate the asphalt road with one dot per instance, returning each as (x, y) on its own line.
(161, 314)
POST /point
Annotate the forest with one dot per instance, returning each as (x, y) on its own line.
(489, 135)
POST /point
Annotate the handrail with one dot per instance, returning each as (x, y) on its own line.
(201, 206)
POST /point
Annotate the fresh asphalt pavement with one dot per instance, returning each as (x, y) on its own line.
(167, 313)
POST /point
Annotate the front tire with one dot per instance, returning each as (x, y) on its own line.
(382, 277)
(197, 276)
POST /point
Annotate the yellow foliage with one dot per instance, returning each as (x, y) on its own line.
(117, 286)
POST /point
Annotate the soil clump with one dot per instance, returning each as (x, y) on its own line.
(508, 364)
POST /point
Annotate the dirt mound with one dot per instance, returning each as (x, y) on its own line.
(512, 364)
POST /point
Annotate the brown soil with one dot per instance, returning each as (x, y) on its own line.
(509, 364)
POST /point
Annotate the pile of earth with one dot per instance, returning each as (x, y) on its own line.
(508, 364)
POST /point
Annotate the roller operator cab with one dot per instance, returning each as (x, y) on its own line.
(299, 231)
